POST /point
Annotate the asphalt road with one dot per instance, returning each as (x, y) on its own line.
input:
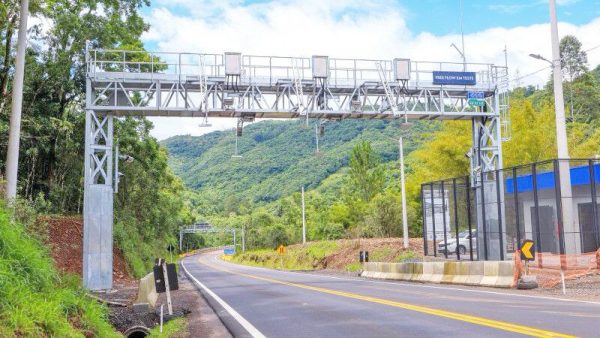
(263, 302)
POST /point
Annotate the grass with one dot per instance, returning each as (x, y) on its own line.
(353, 267)
(297, 257)
(171, 328)
(35, 301)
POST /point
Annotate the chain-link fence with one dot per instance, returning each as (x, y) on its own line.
(554, 203)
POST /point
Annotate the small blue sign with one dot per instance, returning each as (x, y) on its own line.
(229, 251)
(476, 95)
(454, 78)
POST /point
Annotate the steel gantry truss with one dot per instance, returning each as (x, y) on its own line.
(247, 87)
(204, 228)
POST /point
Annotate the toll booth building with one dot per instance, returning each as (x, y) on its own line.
(554, 203)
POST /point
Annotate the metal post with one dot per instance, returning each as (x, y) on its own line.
(14, 136)
(180, 240)
(456, 218)
(444, 220)
(425, 248)
(538, 235)
(433, 221)
(517, 214)
(484, 222)
(499, 204)
(468, 187)
(594, 201)
(303, 219)
(404, 211)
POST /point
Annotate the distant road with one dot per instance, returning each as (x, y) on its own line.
(262, 302)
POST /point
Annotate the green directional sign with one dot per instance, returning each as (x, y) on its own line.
(476, 102)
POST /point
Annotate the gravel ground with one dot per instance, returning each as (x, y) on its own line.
(187, 301)
(583, 288)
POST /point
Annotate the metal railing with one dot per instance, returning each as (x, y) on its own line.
(268, 70)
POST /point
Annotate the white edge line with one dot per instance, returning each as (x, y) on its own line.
(246, 324)
(450, 287)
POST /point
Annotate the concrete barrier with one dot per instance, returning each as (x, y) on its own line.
(475, 273)
(450, 271)
(505, 275)
(438, 271)
(147, 291)
(427, 274)
(490, 273)
(417, 272)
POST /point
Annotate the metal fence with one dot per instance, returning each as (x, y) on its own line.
(554, 203)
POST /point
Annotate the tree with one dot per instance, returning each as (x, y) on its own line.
(573, 60)
(366, 177)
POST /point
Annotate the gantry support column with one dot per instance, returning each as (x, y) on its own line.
(98, 202)
(486, 159)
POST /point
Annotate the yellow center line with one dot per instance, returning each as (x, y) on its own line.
(530, 331)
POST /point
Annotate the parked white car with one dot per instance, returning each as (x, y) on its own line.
(464, 244)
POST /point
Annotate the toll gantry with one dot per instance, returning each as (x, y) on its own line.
(249, 87)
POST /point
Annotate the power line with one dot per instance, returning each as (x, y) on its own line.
(547, 67)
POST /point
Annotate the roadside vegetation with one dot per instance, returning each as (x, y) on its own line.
(341, 255)
(35, 300)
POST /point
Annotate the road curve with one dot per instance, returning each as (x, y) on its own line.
(262, 302)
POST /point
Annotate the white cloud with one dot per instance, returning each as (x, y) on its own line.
(351, 29)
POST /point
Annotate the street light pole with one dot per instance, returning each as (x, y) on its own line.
(303, 220)
(14, 136)
(561, 135)
(559, 104)
(404, 212)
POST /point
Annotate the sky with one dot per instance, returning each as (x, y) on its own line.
(377, 29)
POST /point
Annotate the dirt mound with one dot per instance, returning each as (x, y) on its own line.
(65, 237)
(380, 249)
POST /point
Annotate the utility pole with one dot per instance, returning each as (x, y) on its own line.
(561, 128)
(303, 220)
(12, 155)
(404, 213)
(243, 237)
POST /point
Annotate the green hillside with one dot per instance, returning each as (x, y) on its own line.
(278, 157)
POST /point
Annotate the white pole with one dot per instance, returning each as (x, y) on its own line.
(561, 129)
(303, 219)
(243, 238)
(404, 213)
(12, 155)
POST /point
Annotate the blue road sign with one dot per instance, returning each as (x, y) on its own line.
(475, 95)
(454, 78)
(229, 251)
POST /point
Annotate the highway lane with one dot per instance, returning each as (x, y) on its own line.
(291, 304)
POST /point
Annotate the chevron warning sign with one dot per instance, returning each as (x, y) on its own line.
(528, 250)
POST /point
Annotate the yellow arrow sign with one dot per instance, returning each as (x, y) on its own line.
(281, 250)
(528, 250)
